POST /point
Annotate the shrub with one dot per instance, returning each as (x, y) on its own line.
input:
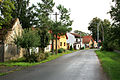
(42, 56)
(61, 50)
(71, 48)
(46, 55)
(82, 48)
(31, 58)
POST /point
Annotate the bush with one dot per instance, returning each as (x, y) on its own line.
(82, 48)
(46, 55)
(61, 50)
(71, 48)
(31, 58)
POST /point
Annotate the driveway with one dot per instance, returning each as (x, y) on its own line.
(80, 65)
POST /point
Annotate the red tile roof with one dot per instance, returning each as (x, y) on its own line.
(86, 39)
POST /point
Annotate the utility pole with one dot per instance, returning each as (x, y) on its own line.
(102, 32)
(56, 14)
(98, 32)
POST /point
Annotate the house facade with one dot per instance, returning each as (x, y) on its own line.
(61, 42)
(71, 40)
(78, 41)
(89, 42)
(8, 50)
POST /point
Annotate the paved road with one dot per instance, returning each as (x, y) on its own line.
(81, 65)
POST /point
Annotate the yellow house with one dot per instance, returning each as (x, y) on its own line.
(61, 42)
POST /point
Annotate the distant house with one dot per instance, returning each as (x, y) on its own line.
(61, 42)
(78, 41)
(89, 42)
(8, 50)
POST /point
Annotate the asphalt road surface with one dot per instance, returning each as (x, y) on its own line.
(80, 65)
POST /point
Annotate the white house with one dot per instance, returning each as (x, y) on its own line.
(71, 39)
(78, 41)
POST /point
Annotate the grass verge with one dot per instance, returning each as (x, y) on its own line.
(111, 63)
(26, 64)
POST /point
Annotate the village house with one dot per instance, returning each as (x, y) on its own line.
(78, 41)
(8, 50)
(89, 42)
(61, 42)
(71, 40)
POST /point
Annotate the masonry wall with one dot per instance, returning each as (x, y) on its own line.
(11, 51)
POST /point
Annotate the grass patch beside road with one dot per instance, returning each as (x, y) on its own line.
(26, 64)
(111, 63)
(19, 63)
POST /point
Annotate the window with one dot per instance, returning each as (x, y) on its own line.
(64, 43)
(78, 46)
(76, 40)
(60, 43)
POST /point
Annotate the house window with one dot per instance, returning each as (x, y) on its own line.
(64, 43)
(78, 46)
(60, 43)
(76, 40)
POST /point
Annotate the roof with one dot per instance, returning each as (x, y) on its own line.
(61, 35)
(76, 35)
(86, 39)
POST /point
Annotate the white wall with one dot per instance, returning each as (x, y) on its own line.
(48, 48)
(71, 39)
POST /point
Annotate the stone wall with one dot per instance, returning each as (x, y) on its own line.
(11, 51)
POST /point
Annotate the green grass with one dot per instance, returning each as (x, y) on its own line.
(26, 64)
(19, 63)
(111, 63)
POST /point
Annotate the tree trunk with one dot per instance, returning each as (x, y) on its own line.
(42, 50)
(28, 51)
(52, 43)
(56, 43)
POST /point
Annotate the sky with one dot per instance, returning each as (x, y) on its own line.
(83, 11)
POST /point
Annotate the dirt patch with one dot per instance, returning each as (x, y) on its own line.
(8, 69)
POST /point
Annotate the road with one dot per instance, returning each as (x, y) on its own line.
(80, 65)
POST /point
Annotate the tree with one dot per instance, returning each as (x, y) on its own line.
(115, 14)
(45, 39)
(93, 27)
(25, 13)
(80, 32)
(6, 9)
(43, 11)
(43, 22)
(62, 26)
(27, 40)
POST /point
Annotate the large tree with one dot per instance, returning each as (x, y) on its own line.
(93, 27)
(6, 9)
(80, 32)
(63, 25)
(115, 14)
(43, 11)
(24, 12)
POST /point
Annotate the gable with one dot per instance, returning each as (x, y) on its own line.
(11, 33)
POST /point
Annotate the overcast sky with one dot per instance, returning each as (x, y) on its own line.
(83, 11)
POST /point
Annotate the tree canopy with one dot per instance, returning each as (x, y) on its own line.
(6, 9)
